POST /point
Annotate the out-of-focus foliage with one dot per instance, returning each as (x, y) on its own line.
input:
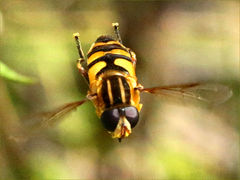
(10, 74)
(175, 42)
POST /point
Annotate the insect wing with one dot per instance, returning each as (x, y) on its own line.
(50, 118)
(207, 92)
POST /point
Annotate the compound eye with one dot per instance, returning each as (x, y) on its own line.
(132, 115)
(110, 119)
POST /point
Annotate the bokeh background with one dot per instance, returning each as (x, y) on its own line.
(175, 42)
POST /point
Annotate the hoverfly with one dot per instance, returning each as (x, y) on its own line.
(114, 89)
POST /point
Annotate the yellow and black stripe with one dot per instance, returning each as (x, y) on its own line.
(111, 72)
(107, 54)
(113, 86)
(115, 91)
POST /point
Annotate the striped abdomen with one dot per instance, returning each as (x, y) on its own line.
(107, 54)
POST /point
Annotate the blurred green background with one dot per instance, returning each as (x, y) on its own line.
(175, 42)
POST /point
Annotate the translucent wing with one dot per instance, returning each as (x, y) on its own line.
(49, 118)
(208, 92)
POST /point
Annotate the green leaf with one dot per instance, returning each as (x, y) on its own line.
(12, 75)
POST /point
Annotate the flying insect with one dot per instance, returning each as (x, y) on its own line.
(109, 71)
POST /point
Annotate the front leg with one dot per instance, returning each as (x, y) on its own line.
(139, 87)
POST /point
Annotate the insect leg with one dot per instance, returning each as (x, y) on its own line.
(81, 61)
(116, 30)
